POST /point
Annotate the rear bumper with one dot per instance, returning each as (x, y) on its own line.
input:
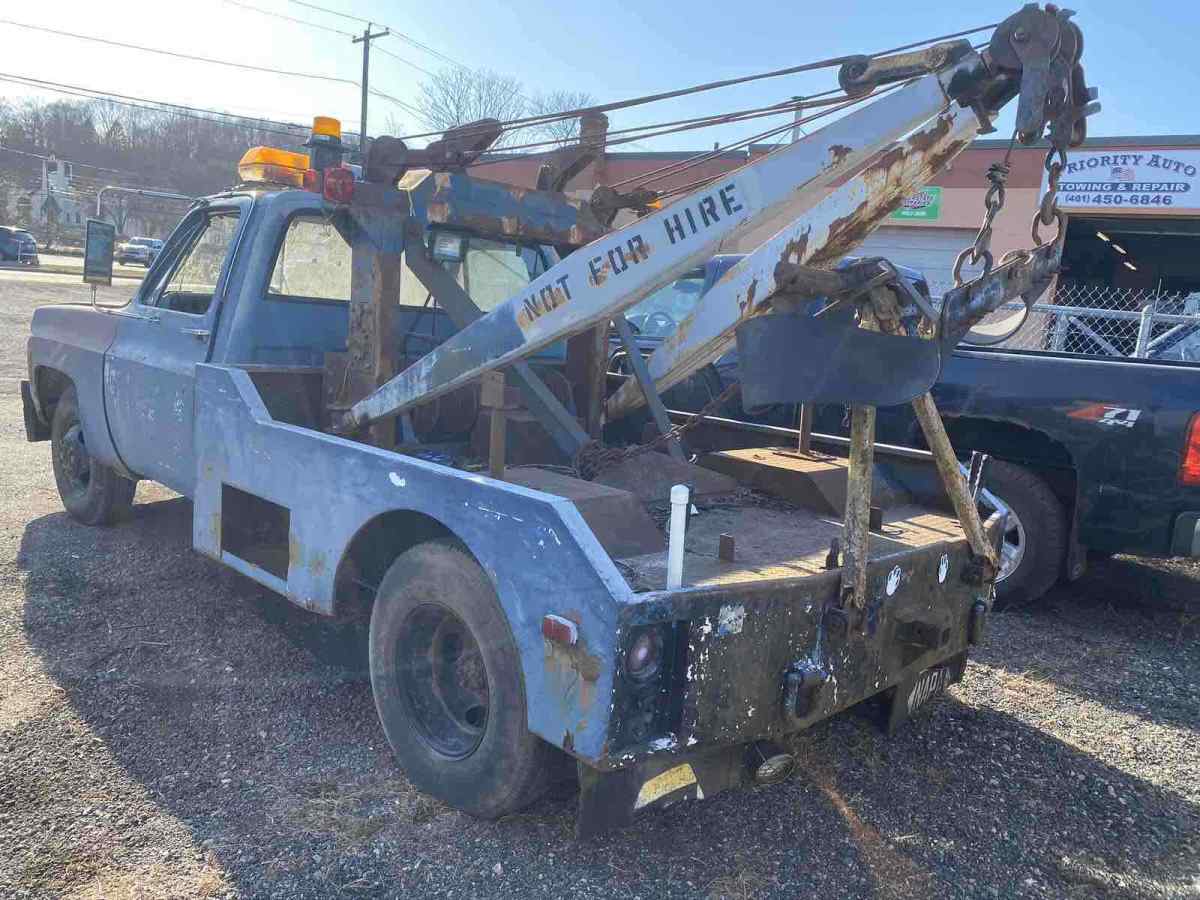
(1185, 537)
(745, 663)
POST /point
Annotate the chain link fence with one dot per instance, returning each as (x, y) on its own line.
(1102, 320)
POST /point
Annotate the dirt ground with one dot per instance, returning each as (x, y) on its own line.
(169, 729)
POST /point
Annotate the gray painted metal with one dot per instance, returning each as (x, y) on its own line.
(616, 271)
(830, 228)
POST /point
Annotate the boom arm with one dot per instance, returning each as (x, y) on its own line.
(1034, 49)
(605, 277)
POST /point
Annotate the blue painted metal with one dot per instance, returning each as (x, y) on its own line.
(538, 551)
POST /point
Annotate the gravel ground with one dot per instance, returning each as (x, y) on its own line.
(169, 729)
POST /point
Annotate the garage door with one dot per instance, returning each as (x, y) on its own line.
(931, 251)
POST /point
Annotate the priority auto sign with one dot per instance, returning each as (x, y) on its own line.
(1153, 180)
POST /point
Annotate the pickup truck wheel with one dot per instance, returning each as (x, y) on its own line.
(1031, 556)
(448, 685)
(91, 492)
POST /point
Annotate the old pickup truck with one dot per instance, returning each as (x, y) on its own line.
(520, 612)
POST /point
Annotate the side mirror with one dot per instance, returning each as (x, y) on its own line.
(98, 252)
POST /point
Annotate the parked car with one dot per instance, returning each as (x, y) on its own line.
(1092, 455)
(140, 250)
(17, 245)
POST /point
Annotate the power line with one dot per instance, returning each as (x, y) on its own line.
(159, 106)
(395, 31)
(287, 18)
(326, 28)
(188, 56)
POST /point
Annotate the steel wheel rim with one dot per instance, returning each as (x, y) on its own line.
(443, 680)
(1012, 549)
(74, 461)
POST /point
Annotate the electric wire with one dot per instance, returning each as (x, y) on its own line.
(395, 32)
(266, 126)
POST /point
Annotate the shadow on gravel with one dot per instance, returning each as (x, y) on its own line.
(248, 720)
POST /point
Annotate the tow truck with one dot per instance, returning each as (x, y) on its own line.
(384, 396)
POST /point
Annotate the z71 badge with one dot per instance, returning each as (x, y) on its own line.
(1103, 414)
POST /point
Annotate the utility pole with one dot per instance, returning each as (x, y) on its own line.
(365, 40)
(797, 114)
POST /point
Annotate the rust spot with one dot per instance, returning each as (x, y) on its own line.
(795, 249)
(839, 153)
(602, 275)
(748, 303)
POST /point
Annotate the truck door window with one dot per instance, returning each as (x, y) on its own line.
(190, 284)
(313, 263)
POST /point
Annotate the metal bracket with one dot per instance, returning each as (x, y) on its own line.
(862, 74)
(658, 409)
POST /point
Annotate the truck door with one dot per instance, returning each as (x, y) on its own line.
(149, 371)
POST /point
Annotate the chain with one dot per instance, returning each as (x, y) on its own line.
(593, 457)
(981, 250)
(1049, 213)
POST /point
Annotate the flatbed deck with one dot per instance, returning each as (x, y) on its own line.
(771, 541)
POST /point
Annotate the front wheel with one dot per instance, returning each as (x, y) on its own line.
(448, 686)
(1035, 540)
(92, 493)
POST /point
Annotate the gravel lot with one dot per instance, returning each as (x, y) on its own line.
(170, 729)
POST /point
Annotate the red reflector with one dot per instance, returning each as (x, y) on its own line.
(311, 182)
(1189, 471)
(559, 630)
(339, 185)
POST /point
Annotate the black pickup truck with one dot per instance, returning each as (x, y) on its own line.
(1093, 455)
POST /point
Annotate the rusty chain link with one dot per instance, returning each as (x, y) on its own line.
(593, 457)
(1048, 211)
(993, 202)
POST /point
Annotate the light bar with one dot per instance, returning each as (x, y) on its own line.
(1129, 265)
(1103, 236)
(1120, 249)
(270, 165)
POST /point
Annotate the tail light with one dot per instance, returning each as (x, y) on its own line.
(1189, 470)
(339, 185)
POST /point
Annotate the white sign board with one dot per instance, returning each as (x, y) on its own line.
(1130, 179)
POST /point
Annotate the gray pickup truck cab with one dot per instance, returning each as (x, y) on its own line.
(510, 621)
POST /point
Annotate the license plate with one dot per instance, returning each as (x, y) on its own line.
(930, 683)
(910, 697)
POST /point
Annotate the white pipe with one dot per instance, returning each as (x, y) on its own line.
(675, 536)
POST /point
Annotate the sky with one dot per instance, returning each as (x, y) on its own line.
(1142, 56)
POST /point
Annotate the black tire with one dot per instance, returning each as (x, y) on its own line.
(1040, 523)
(436, 613)
(92, 493)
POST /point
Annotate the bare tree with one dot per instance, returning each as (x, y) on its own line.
(562, 131)
(456, 96)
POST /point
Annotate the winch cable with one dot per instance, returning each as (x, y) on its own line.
(546, 118)
(641, 132)
(699, 159)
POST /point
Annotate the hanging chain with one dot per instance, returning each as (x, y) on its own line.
(593, 457)
(1048, 212)
(993, 202)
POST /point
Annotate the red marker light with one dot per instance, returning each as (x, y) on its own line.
(339, 185)
(1189, 470)
(560, 630)
(311, 180)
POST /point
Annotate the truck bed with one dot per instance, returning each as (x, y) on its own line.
(774, 541)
